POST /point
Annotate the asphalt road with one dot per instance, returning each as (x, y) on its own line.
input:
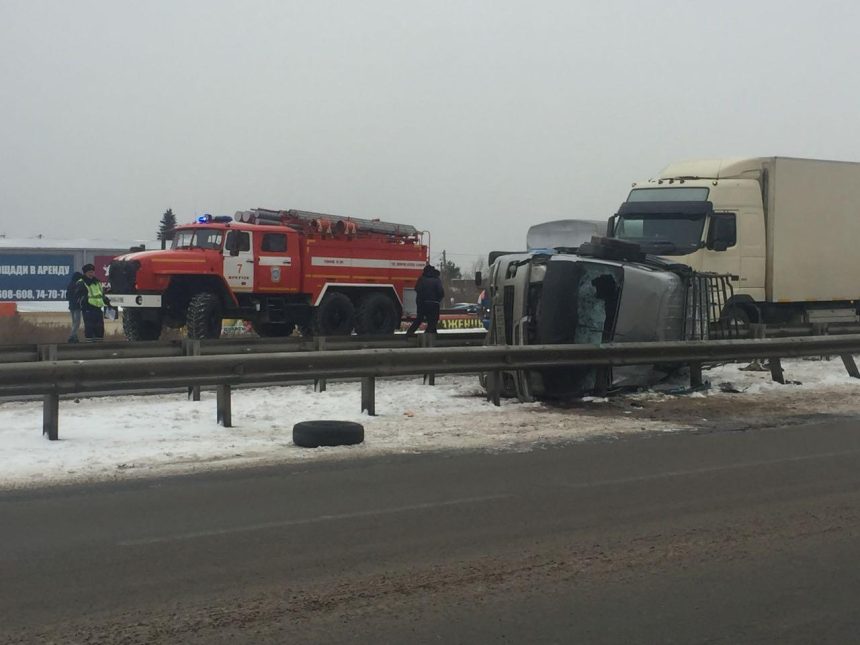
(724, 537)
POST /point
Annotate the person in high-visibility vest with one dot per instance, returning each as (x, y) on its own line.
(91, 296)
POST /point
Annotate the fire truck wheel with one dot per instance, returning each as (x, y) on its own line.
(335, 316)
(204, 316)
(273, 330)
(376, 315)
(137, 327)
(313, 434)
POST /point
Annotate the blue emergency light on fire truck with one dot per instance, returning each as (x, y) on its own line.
(207, 218)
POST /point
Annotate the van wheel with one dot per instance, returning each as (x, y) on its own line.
(136, 326)
(204, 316)
(376, 315)
(335, 316)
(313, 434)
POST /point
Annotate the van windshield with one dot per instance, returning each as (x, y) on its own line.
(201, 238)
(662, 234)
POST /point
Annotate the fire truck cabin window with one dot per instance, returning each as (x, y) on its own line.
(202, 238)
(244, 241)
(274, 243)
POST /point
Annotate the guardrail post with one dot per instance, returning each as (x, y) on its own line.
(696, 375)
(776, 372)
(47, 352)
(494, 388)
(822, 329)
(191, 347)
(602, 380)
(50, 402)
(850, 365)
(775, 364)
(320, 384)
(51, 416)
(224, 403)
(758, 331)
(428, 340)
(368, 395)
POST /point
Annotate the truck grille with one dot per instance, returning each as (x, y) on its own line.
(122, 275)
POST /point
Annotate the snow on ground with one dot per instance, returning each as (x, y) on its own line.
(123, 437)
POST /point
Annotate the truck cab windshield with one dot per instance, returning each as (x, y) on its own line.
(687, 194)
(662, 234)
(201, 238)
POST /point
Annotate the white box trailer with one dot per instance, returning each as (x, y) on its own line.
(787, 228)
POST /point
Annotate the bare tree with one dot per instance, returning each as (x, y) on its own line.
(479, 265)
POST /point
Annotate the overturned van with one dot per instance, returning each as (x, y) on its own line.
(604, 291)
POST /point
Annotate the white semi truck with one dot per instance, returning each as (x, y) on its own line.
(787, 230)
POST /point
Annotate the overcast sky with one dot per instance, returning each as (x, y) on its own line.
(472, 120)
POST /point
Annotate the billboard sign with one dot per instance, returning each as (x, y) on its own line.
(35, 276)
(102, 262)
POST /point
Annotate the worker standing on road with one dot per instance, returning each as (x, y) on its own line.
(91, 297)
(428, 295)
(74, 305)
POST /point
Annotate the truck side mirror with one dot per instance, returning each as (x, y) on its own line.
(232, 243)
(478, 278)
(610, 226)
(723, 231)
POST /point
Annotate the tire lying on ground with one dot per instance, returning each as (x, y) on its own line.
(313, 434)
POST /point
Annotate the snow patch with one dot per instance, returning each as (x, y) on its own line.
(131, 436)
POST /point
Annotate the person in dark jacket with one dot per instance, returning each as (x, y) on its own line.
(428, 296)
(91, 297)
(74, 305)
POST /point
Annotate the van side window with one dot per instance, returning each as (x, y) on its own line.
(724, 232)
(274, 242)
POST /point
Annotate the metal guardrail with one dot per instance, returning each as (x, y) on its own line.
(165, 348)
(53, 378)
(21, 353)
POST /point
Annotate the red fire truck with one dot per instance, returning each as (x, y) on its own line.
(324, 274)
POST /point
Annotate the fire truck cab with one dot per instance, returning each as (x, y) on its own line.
(324, 274)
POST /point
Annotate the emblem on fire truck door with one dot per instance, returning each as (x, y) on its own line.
(276, 274)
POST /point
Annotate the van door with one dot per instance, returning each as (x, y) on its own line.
(239, 261)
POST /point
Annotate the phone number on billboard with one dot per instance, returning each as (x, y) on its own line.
(32, 294)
